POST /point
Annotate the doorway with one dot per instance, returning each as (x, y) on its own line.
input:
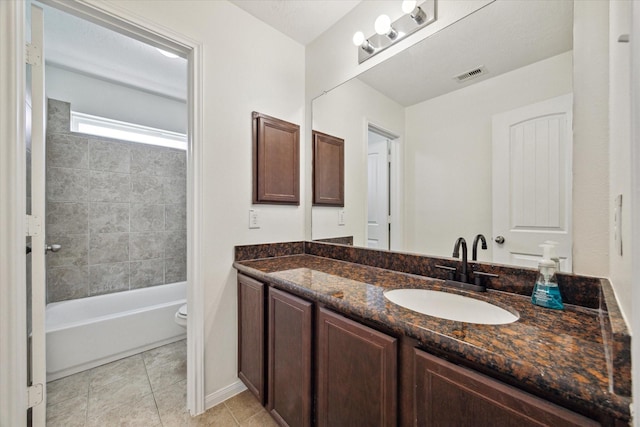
(183, 48)
(383, 195)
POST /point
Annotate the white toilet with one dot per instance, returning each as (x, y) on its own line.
(181, 316)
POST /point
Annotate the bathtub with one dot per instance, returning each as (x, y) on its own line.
(88, 332)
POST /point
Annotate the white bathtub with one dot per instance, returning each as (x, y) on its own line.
(88, 332)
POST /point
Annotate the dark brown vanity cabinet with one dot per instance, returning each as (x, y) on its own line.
(289, 360)
(251, 334)
(451, 395)
(356, 381)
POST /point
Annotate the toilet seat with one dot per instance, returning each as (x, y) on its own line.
(181, 316)
(182, 311)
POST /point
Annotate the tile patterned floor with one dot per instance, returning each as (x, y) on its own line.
(147, 389)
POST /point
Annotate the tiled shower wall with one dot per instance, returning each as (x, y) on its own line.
(118, 209)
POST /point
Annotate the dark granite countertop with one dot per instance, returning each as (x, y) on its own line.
(559, 355)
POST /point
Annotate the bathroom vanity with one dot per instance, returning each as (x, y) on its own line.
(319, 344)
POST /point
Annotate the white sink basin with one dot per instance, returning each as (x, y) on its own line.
(450, 306)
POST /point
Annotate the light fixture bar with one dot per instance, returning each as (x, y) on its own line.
(404, 26)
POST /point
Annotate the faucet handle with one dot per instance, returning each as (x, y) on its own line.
(477, 277)
(451, 271)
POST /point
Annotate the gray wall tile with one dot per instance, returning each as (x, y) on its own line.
(175, 270)
(67, 218)
(106, 248)
(146, 189)
(132, 200)
(147, 273)
(175, 189)
(109, 156)
(108, 278)
(58, 116)
(67, 151)
(67, 185)
(175, 163)
(74, 251)
(147, 217)
(147, 246)
(175, 244)
(146, 159)
(175, 217)
(109, 187)
(65, 283)
(108, 217)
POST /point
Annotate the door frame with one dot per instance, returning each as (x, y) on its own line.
(13, 296)
(396, 194)
(13, 188)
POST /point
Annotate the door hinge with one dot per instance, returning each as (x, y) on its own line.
(33, 55)
(33, 226)
(35, 395)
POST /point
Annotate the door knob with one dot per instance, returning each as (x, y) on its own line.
(499, 240)
(52, 248)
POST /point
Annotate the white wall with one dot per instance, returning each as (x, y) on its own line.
(99, 97)
(619, 150)
(247, 66)
(448, 144)
(591, 138)
(345, 112)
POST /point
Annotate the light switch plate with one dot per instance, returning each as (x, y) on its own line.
(254, 218)
(341, 217)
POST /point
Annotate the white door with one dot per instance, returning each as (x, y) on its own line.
(378, 192)
(532, 154)
(35, 61)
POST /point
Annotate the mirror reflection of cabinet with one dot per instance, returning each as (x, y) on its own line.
(328, 170)
(276, 161)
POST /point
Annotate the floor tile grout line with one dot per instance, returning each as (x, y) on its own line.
(153, 393)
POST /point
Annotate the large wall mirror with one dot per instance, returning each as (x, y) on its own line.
(423, 133)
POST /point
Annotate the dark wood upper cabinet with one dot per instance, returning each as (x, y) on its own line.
(251, 334)
(276, 161)
(328, 170)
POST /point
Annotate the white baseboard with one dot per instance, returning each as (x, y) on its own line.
(223, 394)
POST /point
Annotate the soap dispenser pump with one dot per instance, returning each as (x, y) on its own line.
(546, 292)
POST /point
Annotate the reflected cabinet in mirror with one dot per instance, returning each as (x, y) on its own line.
(467, 132)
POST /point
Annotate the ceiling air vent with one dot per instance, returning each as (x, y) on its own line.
(471, 74)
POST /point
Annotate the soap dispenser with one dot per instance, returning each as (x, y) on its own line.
(546, 292)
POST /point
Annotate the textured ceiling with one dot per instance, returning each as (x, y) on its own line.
(302, 20)
(503, 36)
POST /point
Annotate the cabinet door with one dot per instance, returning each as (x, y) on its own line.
(251, 345)
(289, 359)
(276, 161)
(450, 395)
(356, 374)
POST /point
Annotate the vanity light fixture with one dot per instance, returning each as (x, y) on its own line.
(415, 12)
(384, 28)
(360, 41)
(388, 33)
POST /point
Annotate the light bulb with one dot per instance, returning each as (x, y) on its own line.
(358, 38)
(409, 5)
(382, 24)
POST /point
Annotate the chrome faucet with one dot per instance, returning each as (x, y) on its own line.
(474, 255)
(456, 254)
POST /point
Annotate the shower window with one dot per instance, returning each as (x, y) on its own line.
(101, 126)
